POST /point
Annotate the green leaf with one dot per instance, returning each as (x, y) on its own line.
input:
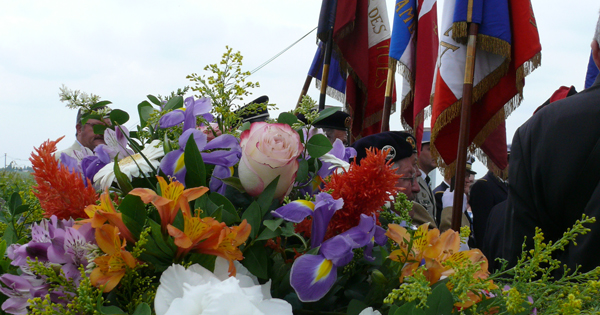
(288, 229)
(440, 301)
(118, 117)
(234, 182)
(245, 126)
(254, 217)
(133, 212)
(273, 224)
(166, 250)
(355, 307)
(122, 179)
(110, 310)
(174, 103)
(287, 118)
(10, 235)
(318, 145)
(302, 174)
(265, 199)
(167, 144)
(99, 129)
(325, 113)
(195, 170)
(230, 215)
(144, 110)
(255, 259)
(142, 309)
(267, 234)
(14, 202)
(153, 99)
(409, 309)
(100, 104)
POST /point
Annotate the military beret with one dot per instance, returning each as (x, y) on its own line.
(259, 115)
(400, 144)
(339, 120)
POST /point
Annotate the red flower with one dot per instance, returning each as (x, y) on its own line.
(365, 188)
(60, 192)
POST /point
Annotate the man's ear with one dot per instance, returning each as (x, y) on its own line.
(78, 128)
(596, 53)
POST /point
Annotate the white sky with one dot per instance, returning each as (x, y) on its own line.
(124, 50)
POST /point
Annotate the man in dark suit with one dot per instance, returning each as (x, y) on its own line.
(553, 178)
(438, 192)
(487, 192)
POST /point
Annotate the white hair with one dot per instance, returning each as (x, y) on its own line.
(597, 33)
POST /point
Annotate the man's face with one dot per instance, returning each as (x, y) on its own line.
(409, 172)
(333, 134)
(426, 162)
(469, 180)
(86, 136)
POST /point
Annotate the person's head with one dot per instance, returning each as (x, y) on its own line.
(426, 162)
(335, 126)
(469, 175)
(402, 152)
(595, 45)
(85, 132)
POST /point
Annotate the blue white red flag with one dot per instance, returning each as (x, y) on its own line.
(502, 61)
(336, 79)
(415, 30)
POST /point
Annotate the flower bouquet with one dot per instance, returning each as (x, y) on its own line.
(195, 212)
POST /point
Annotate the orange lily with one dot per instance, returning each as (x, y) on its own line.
(174, 197)
(112, 266)
(99, 214)
(195, 230)
(226, 244)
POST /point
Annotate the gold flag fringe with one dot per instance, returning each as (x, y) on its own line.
(331, 92)
(459, 32)
(484, 42)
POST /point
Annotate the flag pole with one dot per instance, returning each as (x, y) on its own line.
(465, 123)
(304, 89)
(387, 103)
(327, 57)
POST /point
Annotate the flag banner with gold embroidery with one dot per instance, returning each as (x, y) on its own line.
(508, 49)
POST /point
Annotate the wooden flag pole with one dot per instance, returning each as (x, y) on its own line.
(304, 89)
(387, 103)
(465, 123)
(325, 76)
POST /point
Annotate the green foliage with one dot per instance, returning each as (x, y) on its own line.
(226, 85)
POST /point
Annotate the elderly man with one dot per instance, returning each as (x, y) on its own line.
(85, 138)
(403, 153)
(554, 174)
(426, 164)
(336, 126)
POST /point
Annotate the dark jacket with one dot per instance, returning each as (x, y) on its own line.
(438, 192)
(487, 192)
(547, 156)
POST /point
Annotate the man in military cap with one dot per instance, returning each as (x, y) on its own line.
(438, 192)
(446, 199)
(426, 164)
(403, 153)
(335, 126)
(260, 114)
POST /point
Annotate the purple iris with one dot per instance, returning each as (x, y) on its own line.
(340, 152)
(224, 150)
(312, 276)
(187, 115)
(54, 242)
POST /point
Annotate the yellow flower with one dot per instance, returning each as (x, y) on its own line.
(99, 214)
(111, 267)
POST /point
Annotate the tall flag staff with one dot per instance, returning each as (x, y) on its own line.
(325, 34)
(415, 30)
(506, 49)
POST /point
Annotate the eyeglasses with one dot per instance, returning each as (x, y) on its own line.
(411, 179)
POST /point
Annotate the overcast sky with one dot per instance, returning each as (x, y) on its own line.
(124, 50)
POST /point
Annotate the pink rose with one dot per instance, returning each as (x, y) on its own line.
(209, 133)
(268, 151)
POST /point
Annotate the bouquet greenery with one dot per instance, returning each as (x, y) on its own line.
(195, 210)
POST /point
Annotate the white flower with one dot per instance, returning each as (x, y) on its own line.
(131, 166)
(198, 291)
(369, 311)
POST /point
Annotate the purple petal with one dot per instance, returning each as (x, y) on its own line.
(202, 106)
(325, 207)
(209, 117)
(70, 162)
(380, 237)
(16, 305)
(338, 249)
(224, 142)
(312, 276)
(199, 136)
(91, 165)
(189, 121)
(294, 211)
(349, 153)
(223, 158)
(216, 185)
(171, 119)
(363, 233)
(173, 165)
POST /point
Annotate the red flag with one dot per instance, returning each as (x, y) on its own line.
(362, 35)
(501, 66)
